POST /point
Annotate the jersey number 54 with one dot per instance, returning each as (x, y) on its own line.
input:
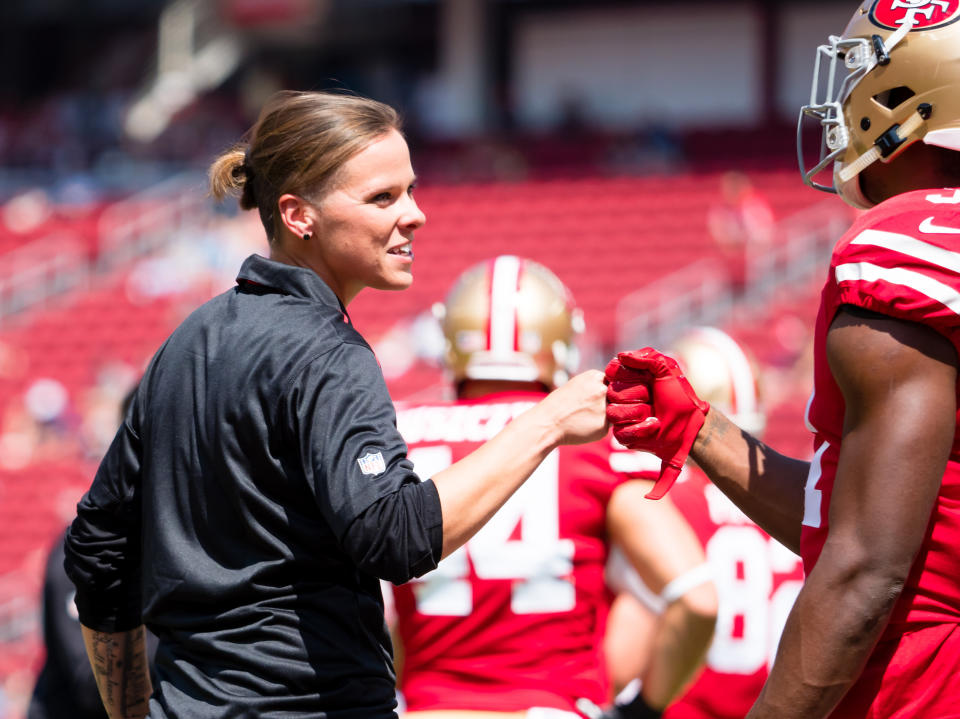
(539, 563)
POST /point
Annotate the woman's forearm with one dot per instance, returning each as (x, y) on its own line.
(119, 661)
(473, 489)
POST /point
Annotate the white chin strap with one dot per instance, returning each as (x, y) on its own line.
(913, 123)
(906, 26)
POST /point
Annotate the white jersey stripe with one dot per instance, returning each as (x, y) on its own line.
(504, 286)
(867, 272)
(907, 245)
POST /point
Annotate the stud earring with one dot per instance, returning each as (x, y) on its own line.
(306, 235)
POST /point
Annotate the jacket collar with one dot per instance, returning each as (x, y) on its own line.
(303, 282)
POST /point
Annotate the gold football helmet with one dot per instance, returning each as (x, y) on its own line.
(891, 79)
(510, 319)
(722, 373)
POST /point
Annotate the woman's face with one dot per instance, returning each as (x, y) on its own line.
(363, 229)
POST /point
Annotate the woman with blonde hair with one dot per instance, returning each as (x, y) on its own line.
(258, 489)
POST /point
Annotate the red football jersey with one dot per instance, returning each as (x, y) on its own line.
(515, 618)
(757, 580)
(901, 259)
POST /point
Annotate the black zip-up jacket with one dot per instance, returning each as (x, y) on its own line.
(253, 497)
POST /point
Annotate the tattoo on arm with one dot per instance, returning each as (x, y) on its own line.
(119, 661)
(710, 431)
(766, 485)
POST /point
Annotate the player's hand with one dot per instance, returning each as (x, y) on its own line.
(637, 708)
(653, 408)
(579, 408)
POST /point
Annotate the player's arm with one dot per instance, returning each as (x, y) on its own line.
(767, 486)
(653, 408)
(643, 529)
(899, 382)
(119, 661)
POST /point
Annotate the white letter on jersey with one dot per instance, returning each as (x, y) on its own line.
(540, 562)
(813, 497)
(945, 199)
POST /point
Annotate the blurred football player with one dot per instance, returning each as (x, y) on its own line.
(875, 631)
(512, 623)
(66, 687)
(757, 578)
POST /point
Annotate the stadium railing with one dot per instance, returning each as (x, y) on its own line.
(130, 229)
(702, 293)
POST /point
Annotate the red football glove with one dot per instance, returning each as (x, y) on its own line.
(653, 408)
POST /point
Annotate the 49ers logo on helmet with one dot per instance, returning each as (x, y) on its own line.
(922, 14)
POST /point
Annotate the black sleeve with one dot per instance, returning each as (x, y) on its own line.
(102, 548)
(356, 465)
(399, 536)
(342, 419)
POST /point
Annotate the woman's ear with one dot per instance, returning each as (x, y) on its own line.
(296, 215)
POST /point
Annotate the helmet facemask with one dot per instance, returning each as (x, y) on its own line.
(893, 78)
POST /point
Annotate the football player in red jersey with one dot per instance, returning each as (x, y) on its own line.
(875, 631)
(757, 578)
(512, 623)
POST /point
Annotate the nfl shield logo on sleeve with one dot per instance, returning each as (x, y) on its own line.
(372, 463)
